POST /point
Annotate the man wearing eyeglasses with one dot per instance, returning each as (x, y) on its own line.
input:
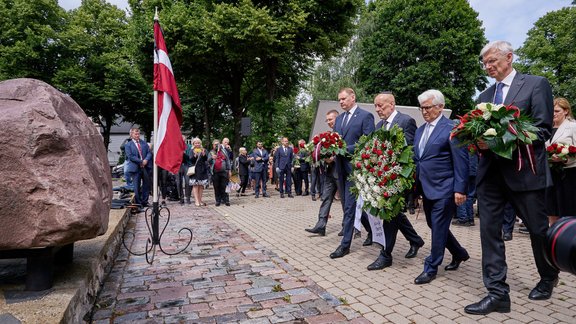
(499, 181)
(441, 179)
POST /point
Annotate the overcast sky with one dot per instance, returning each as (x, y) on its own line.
(502, 19)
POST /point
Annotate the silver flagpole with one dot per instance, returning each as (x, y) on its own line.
(155, 207)
(152, 216)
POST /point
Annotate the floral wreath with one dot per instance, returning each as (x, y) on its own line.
(383, 169)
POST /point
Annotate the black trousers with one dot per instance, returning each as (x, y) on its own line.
(493, 194)
(243, 182)
(219, 181)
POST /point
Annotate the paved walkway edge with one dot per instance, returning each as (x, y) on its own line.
(80, 307)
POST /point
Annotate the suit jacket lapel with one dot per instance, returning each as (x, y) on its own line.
(515, 87)
(349, 122)
(434, 134)
(560, 131)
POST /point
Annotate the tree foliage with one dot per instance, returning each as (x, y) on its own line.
(409, 46)
(550, 51)
(29, 32)
(96, 69)
(236, 56)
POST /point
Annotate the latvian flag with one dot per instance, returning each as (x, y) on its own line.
(169, 144)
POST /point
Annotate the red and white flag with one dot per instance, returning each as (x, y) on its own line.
(169, 144)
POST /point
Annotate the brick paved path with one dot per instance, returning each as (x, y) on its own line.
(224, 276)
(390, 295)
(240, 254)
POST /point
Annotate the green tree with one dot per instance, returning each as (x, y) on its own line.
(96, 69)
(245, 54)
(409, 46)
(550, 51)
(29, 44)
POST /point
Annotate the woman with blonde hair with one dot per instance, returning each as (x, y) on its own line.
(560, 197)
(199, 159)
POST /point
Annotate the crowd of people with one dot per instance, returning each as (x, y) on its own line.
(448, 178)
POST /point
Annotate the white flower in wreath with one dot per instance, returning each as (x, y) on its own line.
(490, 132)
(482, 106)
(486, 115)
(371, 180)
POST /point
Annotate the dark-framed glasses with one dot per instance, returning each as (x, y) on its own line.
(426, 107)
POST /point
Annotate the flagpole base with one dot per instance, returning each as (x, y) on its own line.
(154, 241)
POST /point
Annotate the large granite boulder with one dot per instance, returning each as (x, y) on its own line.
(55, 180)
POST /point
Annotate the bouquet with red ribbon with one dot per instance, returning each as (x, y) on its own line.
(502, 128)
(325, 145)
(559, 153)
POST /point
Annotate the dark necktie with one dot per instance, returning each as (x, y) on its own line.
(499, 96)
(385, 125)
(345, 121)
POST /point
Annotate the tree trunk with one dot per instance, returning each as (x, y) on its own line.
(236, 107)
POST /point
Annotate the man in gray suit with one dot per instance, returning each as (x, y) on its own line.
(330, 185)
(385, 105)
(499, 181)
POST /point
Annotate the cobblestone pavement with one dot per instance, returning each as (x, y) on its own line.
(390, 295)
(223, 277)
(253, 262)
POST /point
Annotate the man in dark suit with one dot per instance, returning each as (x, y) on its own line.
(442, 180)
(330, 184)
(260, 171)
(139, 156)
(351, 124)
(303, 170)
(499, 181)
(283, 160)
(385, 105)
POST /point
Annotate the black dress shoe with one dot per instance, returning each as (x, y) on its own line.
(488, 305)
(257, 196)
(217, 204)
(227, 203)
(368, 240)
(306, 193)
(290, 196)
(381, 262)
(357, 234)
(455, 263)
(411, 210)
(266, 195)
(341, 233)
(507, 236)
(319, 230)
(424, 278)
(413, 252)
(313, 197)
(281, 195)
(340, 252)
(543, 289)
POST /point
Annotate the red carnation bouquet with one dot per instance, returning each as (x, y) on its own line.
(559, 153)
(325, 145)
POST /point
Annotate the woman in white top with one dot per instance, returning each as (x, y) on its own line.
(560, 197)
